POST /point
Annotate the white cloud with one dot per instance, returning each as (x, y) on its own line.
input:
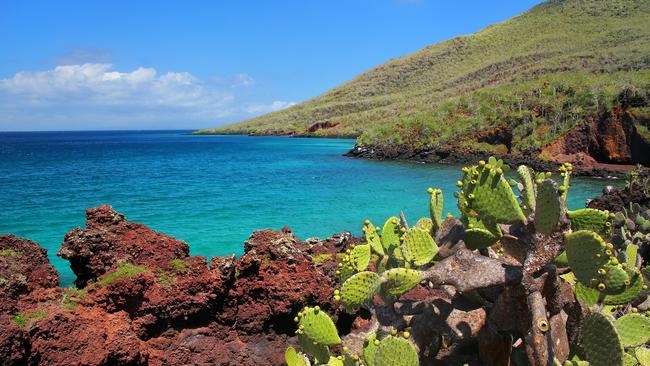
(95, 95)
(267, 108)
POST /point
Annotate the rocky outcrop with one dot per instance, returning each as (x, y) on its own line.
(24, 267)
(109, 239)
(143, 300)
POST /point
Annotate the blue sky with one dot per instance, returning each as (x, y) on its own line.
(71, 65)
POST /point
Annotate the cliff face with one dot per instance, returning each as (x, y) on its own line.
(142, 300)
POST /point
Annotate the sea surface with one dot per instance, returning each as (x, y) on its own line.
(211, 191)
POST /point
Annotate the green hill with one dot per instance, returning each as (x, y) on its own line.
(537, 75)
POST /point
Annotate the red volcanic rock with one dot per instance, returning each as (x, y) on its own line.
(274, 281)
(109, 239)
(24, 267)
(158, 299)
(14, 342)
(85, 336)
(216, 345)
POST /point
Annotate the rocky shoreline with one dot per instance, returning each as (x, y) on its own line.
(443, 156)
(143, 300)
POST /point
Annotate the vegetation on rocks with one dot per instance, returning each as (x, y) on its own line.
(536, 75)
(558, 286)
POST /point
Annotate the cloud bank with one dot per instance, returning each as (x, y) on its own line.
(94, 95)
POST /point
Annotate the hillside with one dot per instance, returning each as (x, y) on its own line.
(536, 76)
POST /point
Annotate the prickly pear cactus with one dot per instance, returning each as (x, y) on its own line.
(527, 188)
(586, 253)
(360, 257)
(396, 351)
(390, 234)
(633, 329)
(486, 192)
(318, 326)
(398, 281)
(372, 237)
(591, 219)
(600, 341)
(478, 238)
(418, 246)
(293, 358)
(548, 208)
(359, 288)
(435, 208)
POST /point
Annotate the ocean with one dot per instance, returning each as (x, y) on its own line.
(211, 191)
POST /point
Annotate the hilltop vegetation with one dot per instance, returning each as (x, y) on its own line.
(540, 73)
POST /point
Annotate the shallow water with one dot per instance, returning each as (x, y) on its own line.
(211, 191)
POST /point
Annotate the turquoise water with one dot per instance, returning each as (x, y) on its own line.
(211, 191)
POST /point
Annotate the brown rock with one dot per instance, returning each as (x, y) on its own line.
(110, 239)
(24, 267)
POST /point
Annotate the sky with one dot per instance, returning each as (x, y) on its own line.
(98, 65)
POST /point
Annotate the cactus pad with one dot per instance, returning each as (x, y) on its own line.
(318, 326)
(527, 188)
(489, 194)
(372, 237)
(398, 281)
(359, 288)
(478, 238)
(435, 208)
(643, 355)
(616, 279)
(425, 224)
(418, 246)
(632, 292)
(293, 358)
(391, 234)
(600, 340)
(320, 352)
(590, 219)
(634, 329)
(586, 255)
(369, 350)
(630, 255)
(360, 257)
(548, 208)
(396, 351)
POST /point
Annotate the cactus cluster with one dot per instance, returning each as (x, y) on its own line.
(528, 246)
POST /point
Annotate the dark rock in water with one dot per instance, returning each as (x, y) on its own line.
(145, 301)
(24, 267)
(614, 199)
(109, 239)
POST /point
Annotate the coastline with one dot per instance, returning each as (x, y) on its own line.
(449, 157)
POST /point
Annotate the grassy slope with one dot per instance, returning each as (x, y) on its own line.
(446, 87)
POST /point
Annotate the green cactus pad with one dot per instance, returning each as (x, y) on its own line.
(643, 355)
(548, 208)
(418, 246)
(492, 197)
(391, 234)
(528, 188)
(334, 361)
(360, 257)
(370, 349)
(478, 238)
(630, 255)
(629, 360)
(590, 219)
(561, 260)
(320, 352)
(425, 224)
(634, 329)
(586, 255)
(600, 340)
(399, 281)
(632, 292)
(435, 208)
(318, 326)
(359, 288)
(346, 269)
(293, 358)
(616, 279)
(396, 351)
(372, 237)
